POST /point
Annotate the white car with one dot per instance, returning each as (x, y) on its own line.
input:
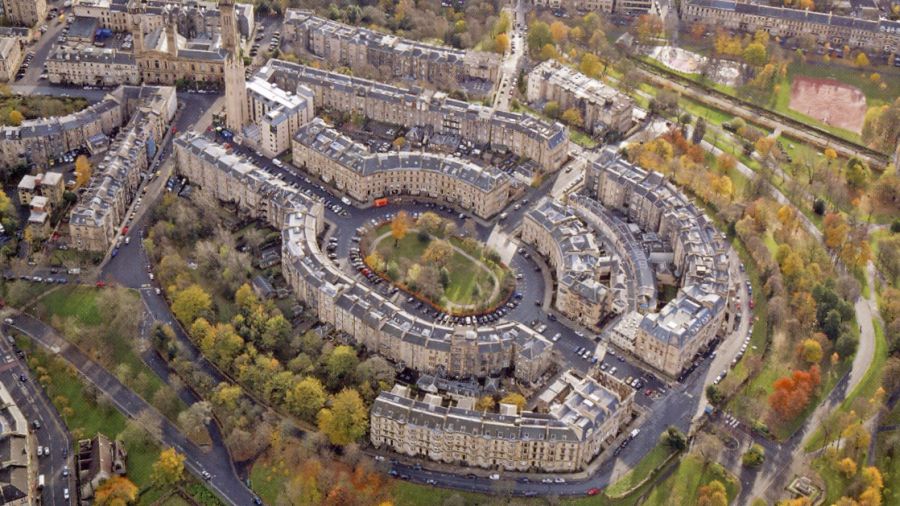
(494, 476)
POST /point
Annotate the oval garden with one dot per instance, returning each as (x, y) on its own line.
(434, 261)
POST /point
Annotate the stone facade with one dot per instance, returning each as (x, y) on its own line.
(573, 251)
(347, 165)
(91, 66)
(41, 141)
(25, 12)
(356, 47)
(11, 57)
(604, 109)
(102, 208)
(669, 339)
(873, 35)
(583, 415)
(523, 135)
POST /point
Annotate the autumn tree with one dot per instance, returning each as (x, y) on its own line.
(861, 60)
(846, 466)
(485, 403)
(538, 36)
(501, 43)
(438, 253)
(190, 303)
(791, 394)
(431, 223)
(648, 26)
(573, 117)
(559, 32)
(551, 109)
(346, 419)
(810, 351)
(548, 52)
(712, 494)
(340, 366)
(514, 398)
(755, 54)
(168, 470)
(115, 491)
(399, 226)
(16, 118)
(83, 171)
(306, 397)
(590, 65)
(194, 420)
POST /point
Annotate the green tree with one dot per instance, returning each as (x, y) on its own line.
(754, 456)
(551, 109)
(306, 398)
(538, 36)
(674, 438)
(190, 303)
(340, 365)
(346, 420)
(755, 54)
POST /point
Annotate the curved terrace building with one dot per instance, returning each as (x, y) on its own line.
(351, 168)
(336, 297)
(573, 251)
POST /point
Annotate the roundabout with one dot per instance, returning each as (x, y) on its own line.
(456, 275)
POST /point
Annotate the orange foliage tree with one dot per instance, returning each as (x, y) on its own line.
(792, 393)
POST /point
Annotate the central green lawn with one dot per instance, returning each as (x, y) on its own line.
(469, 282)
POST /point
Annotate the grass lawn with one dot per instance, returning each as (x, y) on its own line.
(114, 351)
(16, 293)
(469, 284)
(682, 486)
(85, 416)
(835, 482)
(782, 106)
(267, 481)
(582, 139)
(655, 457)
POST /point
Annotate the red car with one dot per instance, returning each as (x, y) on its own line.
(124, 230)
(593, 491)
(100, 284)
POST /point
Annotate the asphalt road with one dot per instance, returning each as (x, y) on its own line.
(215, 460)
(35, 406)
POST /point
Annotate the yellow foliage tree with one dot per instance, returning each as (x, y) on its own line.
(861, 60)
(559, 31)
(168, 470)
(811, 351)
(501, 43)
(514, 398)
(115, 491)
(83, 171)
(846, 466)
(548, 52)
(573, 117)
(399, 226)
(712, 494)
(485, 403)
(16, 118)
(346, 419)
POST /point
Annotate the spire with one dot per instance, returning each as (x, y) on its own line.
(236, 113)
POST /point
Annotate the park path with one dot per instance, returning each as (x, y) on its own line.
(452, 305)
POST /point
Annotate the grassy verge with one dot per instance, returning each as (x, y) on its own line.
(651, 460)
(682, 486)
(79, 314)
(86, 414)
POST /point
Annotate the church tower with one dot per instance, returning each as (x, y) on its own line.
(235, 84)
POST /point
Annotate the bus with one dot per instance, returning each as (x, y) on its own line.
(40, 485)
(381, 202)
